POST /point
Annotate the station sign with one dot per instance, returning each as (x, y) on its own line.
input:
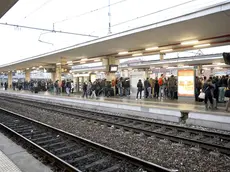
(186, 83)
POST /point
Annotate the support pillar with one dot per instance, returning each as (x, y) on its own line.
(10, 76)
(58, 73)
(53, 76)
(27, 75)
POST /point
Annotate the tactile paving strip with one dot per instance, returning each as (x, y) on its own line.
(6, 165)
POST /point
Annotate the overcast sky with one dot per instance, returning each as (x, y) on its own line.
(19, 43)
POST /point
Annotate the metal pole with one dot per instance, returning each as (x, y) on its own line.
(109, 14)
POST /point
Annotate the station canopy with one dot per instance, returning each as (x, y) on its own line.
(209, 26)
(6, 5)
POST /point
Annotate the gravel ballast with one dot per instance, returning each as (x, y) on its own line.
(166, 154)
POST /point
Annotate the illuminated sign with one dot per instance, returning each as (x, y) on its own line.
(186, 82)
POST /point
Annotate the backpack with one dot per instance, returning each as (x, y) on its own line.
(160, 81)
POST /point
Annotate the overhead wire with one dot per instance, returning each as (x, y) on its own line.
(37, 9)
(85, 13)
(47, 30)
(139, 17)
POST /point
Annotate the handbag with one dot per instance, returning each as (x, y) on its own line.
(202, 95)
(227, 93)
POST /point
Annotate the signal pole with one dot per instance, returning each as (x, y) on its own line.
(109, 15)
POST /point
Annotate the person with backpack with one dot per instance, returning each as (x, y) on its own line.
(139, 88)
(161, 86)
(172, 86)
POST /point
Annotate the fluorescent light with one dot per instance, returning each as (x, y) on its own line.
(171, 67)
(33, 67)
(201, 45)
(218, 68)
(189, 42)
(138, 54)
(152, 48)
(58, 63)
(82, 62)
(69, 62)
(84, 59)
(168, 50)
(40, 66)
(27, 68)
(220, 64)
(123, 53)
(97, 60)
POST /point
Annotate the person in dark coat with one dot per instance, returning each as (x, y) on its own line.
(156, 89)
(84, 90)
(208, 90)
(6, 85)
(139, 88)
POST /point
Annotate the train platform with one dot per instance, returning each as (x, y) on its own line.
(13, 158)
(168, 110)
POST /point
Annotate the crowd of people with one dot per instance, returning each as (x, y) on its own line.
(158, 88)
(215, 89)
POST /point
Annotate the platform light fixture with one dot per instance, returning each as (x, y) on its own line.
(123, 53)
(189, 42)
(97, 60)
(58, 63)
(82, 62)
(84, 59)
(201, 45)
(137, 54)
(33, 67)
(68, 62)
(40, 66)
(27, 68)
(164, 51)
(151, 48)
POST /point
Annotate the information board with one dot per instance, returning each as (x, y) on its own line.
(186, 82)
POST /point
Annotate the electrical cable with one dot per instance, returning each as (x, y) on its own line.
(152, 13)
(80, 15)
(127, 21)
(39, 39)
(48, 30)
(37, 9)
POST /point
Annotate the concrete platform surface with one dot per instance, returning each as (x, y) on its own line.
(161, 110)
(182, 104)
(6, 165)
(21, 160)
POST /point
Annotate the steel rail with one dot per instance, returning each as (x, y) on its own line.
(163, 135)
(150, 167)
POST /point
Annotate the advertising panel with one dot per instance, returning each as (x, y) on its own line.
(186, 82)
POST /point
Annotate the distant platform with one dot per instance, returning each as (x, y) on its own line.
(165, 109)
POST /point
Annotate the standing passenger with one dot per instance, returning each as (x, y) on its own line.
(156, 89)
(84, 90)
(208, 90)
(139, 88)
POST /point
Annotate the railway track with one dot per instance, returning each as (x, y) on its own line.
(69, 152)
(208, 140)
